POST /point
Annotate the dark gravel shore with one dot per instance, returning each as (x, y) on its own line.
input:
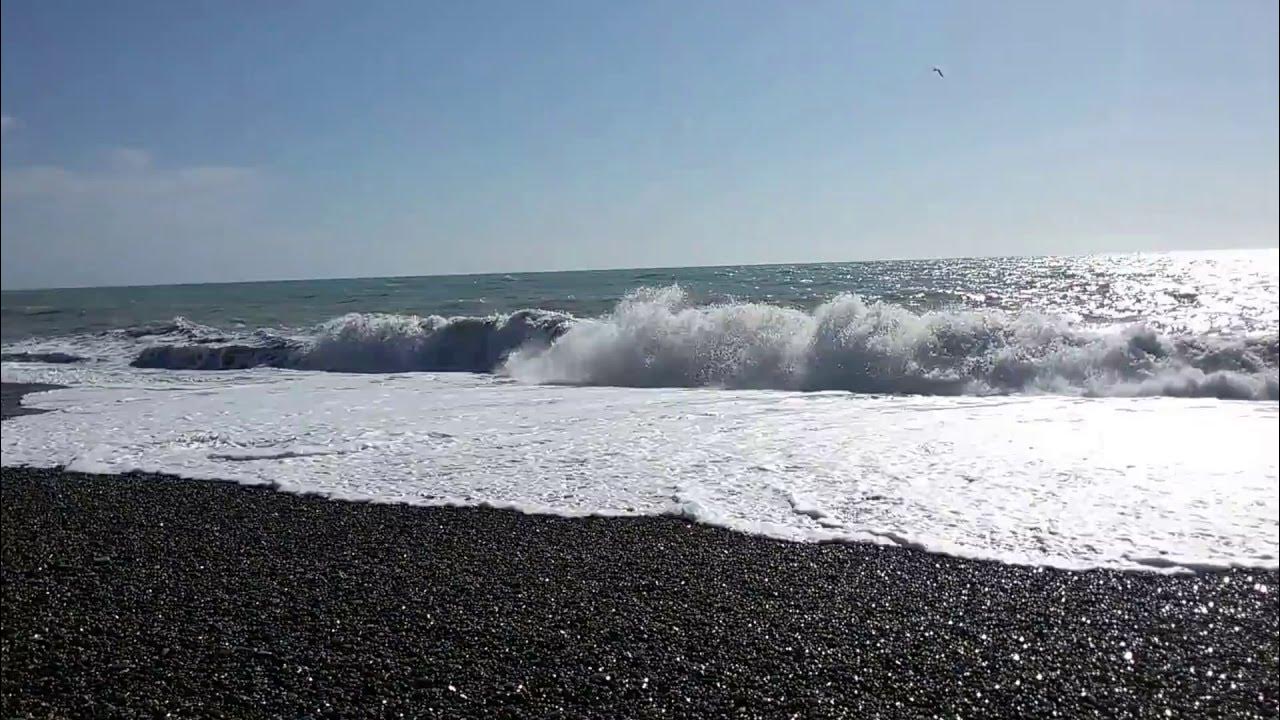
(145, 595)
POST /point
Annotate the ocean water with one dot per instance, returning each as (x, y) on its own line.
(1114, 411)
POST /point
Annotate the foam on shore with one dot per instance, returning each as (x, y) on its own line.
(1132, 483)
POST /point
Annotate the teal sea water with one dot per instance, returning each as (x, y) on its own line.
(1191, 323)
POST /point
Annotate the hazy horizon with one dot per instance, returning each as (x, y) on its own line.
(157, 143)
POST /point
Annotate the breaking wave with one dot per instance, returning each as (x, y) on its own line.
(656, 337)
(375, 343)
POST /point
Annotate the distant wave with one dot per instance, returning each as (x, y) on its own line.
(178, 327)
(55, 358)
(31, 310)
(376, 343)
(655, 337)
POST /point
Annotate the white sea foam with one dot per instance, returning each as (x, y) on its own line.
(1139, 483)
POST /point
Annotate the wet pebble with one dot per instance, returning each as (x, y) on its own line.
(221, 600)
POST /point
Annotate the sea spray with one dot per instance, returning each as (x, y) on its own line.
(656, 338)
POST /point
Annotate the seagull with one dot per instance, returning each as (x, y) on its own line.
(939, 71)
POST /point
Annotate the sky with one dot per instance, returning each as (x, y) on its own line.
(189, 141)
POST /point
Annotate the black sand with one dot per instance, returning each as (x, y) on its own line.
(141, 596)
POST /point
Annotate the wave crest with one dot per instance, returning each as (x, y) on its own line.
(656, 338)
(375, 343)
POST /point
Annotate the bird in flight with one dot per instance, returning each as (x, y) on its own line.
(939, 71)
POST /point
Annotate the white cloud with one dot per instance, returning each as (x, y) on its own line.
(129, 159)
(130, 219)
(129, 174)
(7, 123)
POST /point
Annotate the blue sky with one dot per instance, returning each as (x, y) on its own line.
(153, 142)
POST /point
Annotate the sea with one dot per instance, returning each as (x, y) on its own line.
(1115, 411)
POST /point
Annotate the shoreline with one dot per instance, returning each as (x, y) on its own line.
(152, 594)
(11, 395)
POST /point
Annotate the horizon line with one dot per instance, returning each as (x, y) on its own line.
(126, 286)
